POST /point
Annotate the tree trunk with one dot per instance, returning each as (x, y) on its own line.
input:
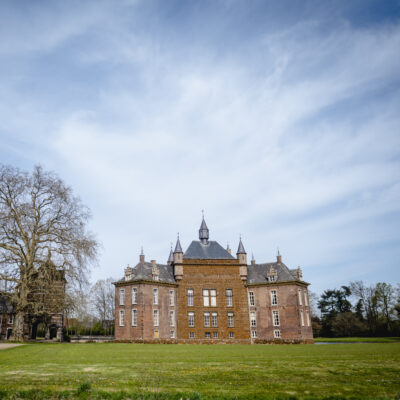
(18, 328)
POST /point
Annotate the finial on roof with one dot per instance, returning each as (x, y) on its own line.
(178, 247)
(278, 251)
(141, 251)
(141, 257)
(241, 249)
(204, 233)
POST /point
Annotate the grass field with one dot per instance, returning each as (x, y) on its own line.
(359, 339)
(367, 371)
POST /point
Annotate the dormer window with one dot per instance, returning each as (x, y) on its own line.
(156, 277)
(272, 278)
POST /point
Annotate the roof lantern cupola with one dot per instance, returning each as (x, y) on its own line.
(204, 233)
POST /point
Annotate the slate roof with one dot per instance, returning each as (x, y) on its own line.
(257, 273)
(212, 250)
(143, 271)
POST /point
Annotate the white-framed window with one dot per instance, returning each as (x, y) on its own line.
(253, 334)
(253, 321)
(302, 317)
(305, 298)
(231, 335)
(156, 277)
(251, 298)
(215, 335)
(308, 318)
(191, 335)
(274, 298)
(121, 318)
(277, 333)
(275, 315)
(213, 294)
(134, 295)
(171, 297)
(214, 319)
(155, 296)
(272, 278)
(206, 319)
(11, 319)
(172, 334)
(206, 297)
(229, 301)
(231, 321)
(172, 318)
(300, 299)
(191, 319)
(190, 297)
(155, 317)
(208, 335)
(121, 297)
(134, 317)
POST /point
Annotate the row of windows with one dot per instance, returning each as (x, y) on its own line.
(207, 335)
(277, 334)
(155, 317)
(213, 321)
(274, 298)
(135, 297)
(275, 318)
(209, 297)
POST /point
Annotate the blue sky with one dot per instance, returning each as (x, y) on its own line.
(280, 119)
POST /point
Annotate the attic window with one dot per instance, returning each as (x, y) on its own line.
(272, 278)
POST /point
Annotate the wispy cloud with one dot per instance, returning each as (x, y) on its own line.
(288, 135)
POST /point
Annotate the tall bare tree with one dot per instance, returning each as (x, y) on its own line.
(42, 226)
(102, 295)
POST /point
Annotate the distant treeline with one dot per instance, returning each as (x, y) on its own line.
(358, 310)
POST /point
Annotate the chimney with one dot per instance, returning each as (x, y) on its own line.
(153, 262)
(228, 249)
(299, 273)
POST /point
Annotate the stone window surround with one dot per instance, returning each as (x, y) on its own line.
(121, 297)
(121, 317)
(134, 295)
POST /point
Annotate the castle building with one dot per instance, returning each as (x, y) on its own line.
(205, 295)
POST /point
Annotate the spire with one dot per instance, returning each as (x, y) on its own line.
(178, 247)
(204, 233)
(171, 257)
(279, 257)
(241, 249)
(141, 257)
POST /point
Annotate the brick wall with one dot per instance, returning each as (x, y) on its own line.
(145, 329)
(219, 275)
(289, 309)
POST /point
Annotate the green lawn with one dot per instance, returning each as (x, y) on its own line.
(337, 371)
(359, 339)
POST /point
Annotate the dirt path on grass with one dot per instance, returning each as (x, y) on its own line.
(4, 346)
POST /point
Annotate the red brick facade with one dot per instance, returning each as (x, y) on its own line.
(205, 295)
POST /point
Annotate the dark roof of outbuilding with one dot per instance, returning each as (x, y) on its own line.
(257, 273)
(212, 250)
(143, 271)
